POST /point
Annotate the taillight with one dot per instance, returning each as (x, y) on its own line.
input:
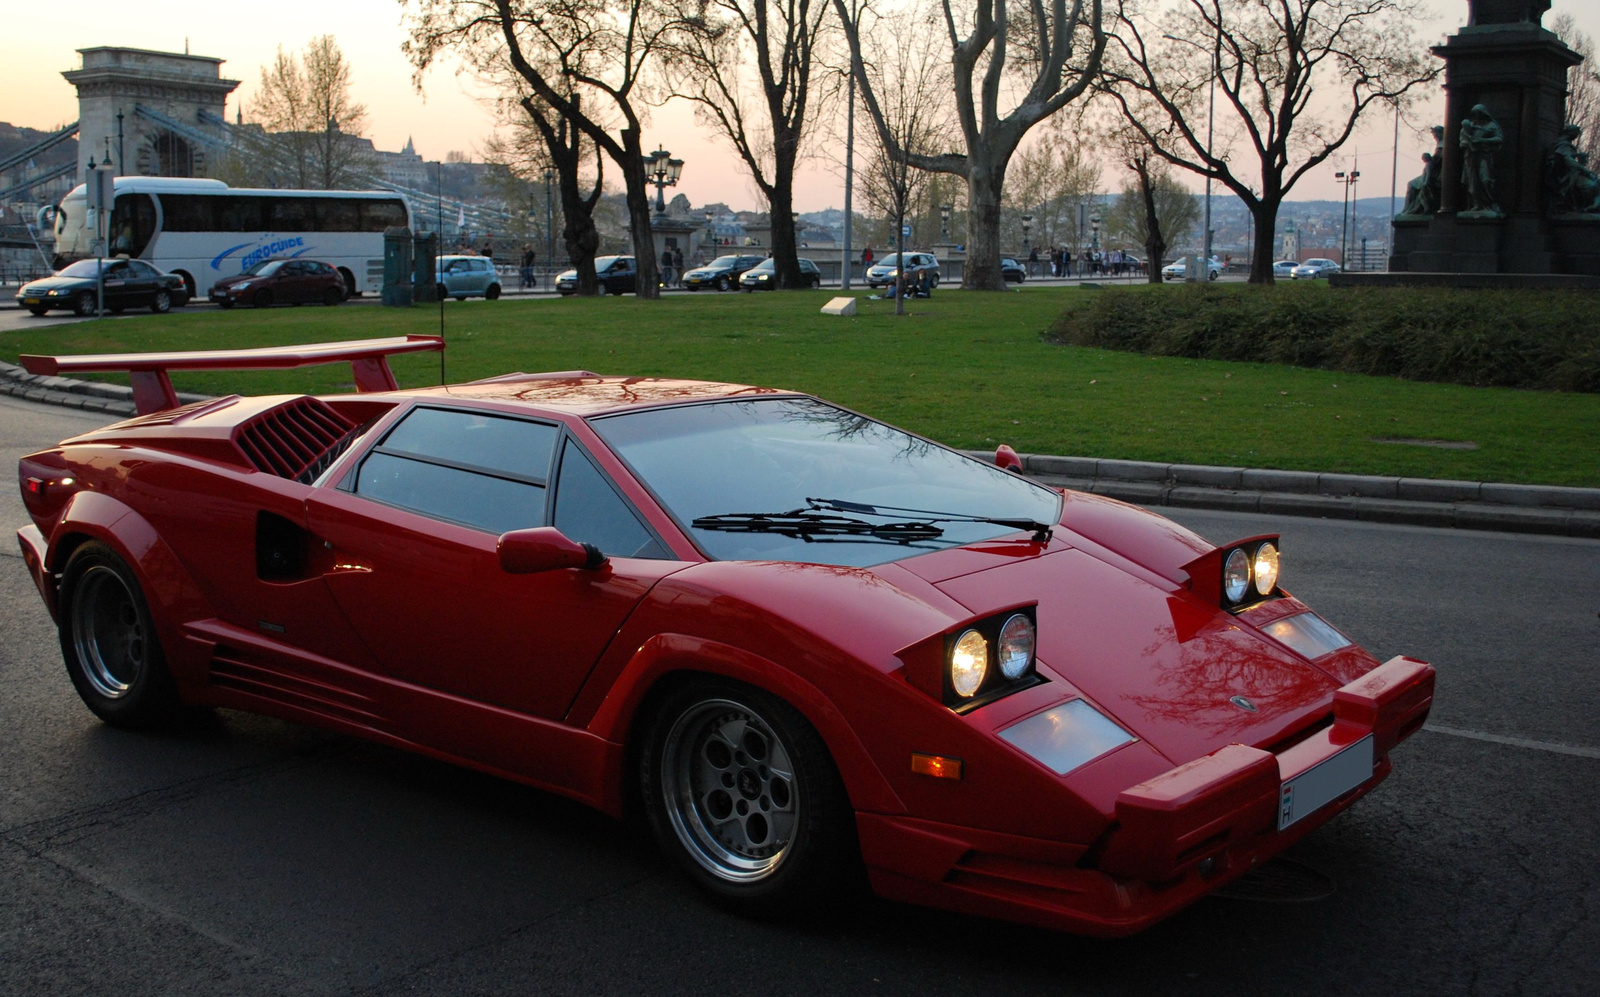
(45, 490)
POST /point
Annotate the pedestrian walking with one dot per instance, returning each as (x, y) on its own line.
(666, 267)
(527, 266)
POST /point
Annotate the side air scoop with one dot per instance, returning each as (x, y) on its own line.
(152, 388)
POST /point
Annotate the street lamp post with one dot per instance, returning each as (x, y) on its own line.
(1027, 246)
(1344, 229)
(711, 237)
(663, 171)
(549, 222)
(944, 220)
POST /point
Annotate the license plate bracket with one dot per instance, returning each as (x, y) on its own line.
(1325, 782)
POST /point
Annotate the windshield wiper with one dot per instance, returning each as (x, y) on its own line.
(1041, 531)
(811, 526)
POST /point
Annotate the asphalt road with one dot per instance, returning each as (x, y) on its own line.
(247, 855)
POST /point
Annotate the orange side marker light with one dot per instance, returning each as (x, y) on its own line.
(937, 766)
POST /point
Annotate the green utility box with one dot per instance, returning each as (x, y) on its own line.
(397, 266)
(424, 271)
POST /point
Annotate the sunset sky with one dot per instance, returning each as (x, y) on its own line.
(450, 113)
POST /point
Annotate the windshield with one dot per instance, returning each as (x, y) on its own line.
(892, 260)
(603, 263)
(82, 268)
(262, 268)
(724, 262)
(770, 456)
(765, 266)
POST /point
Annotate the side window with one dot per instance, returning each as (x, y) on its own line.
(485, 471)
(589, 510)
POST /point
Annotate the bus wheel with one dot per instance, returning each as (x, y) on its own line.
(349, 283)
(262, 299)
(84, 305)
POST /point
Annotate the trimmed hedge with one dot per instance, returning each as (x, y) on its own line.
(1504, 338)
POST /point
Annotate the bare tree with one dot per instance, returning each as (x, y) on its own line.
(1041, 71)
(1048, 181)
(540, 139)
(776, 42)
(589, 61)
(1153, 210)
(311, 122)
(1266, 60)
(1583, 85)
(909, 123)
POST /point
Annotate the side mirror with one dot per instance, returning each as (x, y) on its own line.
(544, 548)
(1006, 458)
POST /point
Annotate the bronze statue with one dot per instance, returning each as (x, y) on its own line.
(1573, 186)
(1481, 137)
(1423, 192)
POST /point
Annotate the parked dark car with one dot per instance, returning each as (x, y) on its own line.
(764, 275)
(128, 283)
(278, 282)
(617, 275)
(917, 265)
(721, 273)
(1012, 271)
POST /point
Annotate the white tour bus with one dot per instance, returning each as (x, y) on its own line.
(204, 230)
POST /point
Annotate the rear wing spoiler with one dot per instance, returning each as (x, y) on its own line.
(152, 388)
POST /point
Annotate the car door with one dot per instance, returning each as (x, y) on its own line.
(121, 288)
(413, 533)
(624, 278)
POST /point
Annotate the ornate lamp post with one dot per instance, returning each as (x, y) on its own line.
(711, 237)
(1027, 247)
(944, 220)
(1344, 226)
(663, 171)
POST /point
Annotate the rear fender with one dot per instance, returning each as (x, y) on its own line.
(664, 655)
(169, 589)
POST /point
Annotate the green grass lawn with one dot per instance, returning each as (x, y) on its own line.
(967, 369)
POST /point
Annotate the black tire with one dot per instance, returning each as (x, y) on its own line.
(350, 284)
(332, 296)
(38, 311)
(83, 304)
(816, 283)
(444, 292)
(162, 302)
(262, 299)
(109, 643)
(224, 303)
(793, 849)
(493, 292)
(1212, 275)
(723, 283)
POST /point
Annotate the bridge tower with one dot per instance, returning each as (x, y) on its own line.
(172, 106)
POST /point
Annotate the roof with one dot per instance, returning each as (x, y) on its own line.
(584, 394)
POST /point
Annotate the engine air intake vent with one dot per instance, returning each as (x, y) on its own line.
(296, 440)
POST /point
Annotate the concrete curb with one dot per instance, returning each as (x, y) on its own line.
(1472, 505)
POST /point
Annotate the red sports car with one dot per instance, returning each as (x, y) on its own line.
(807, 646)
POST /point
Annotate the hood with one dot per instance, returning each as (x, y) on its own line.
(237, 278)
(44, 284)
(567, 275)
(1160, 662)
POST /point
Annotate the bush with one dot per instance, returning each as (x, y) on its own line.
(1503, 338)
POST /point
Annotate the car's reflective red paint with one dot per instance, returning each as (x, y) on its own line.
(405, 629)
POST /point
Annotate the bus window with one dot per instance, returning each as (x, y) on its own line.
(293, 214)
(379, 215)
(339, 214)
(133, 222)
(186, 213)
(241, 214)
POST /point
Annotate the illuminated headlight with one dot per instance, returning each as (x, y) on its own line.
(761, 276)
(1266, 569)
(1015, 650)
(53, 291)
(969, 664)
(1236, 575)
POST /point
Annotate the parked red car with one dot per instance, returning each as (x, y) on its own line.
(278, 282)
(804, 643)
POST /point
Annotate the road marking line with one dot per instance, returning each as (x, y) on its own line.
(1517, 742)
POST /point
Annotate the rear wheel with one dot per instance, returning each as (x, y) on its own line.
(740, 790)
(109, 643)
(262, 299)
(493, 292)
(162, 303)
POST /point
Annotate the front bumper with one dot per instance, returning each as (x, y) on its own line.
(1171, 840)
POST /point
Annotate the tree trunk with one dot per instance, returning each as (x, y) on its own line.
(578, 234)
(639, 208)
(1155, 243)
(982, 272)
(1266, 216)
(785, 251)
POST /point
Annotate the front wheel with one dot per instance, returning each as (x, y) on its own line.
(38, 311)
(740, 790)
(83, 305)
(816, 283)
(162, 303)
(109, 643)
(723, 284)
(332, 296)
(262, 299)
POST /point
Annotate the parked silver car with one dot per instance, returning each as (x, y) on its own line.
(462, 277)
